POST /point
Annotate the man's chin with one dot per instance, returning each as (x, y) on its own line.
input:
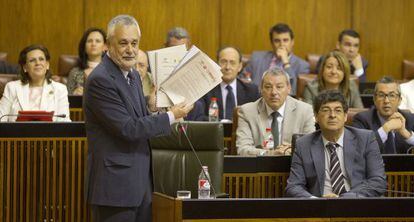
(127, 65)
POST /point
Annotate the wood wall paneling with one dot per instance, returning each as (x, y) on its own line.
(387, 30)
(316, 24)
(56, 24)
(199, 17)
(386, 26)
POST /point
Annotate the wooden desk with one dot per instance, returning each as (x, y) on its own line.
(168, 209)
(75, 108)
(42, 172)
(43, 165)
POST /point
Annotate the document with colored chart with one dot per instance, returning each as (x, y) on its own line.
(193, 77)
(182, 77)
(162, 63)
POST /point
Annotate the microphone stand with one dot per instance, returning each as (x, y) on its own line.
(409, 150)
(182, 128)
(369, 186)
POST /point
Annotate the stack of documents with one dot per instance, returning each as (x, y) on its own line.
(182, 76)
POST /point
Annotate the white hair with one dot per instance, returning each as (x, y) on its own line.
(124, 20)
(276, 71)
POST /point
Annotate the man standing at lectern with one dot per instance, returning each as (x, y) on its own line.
(336, 161)
(118, 127)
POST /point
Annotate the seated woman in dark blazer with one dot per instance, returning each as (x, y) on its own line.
(334, 74)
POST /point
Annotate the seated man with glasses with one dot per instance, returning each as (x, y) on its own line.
(337, 160)
(393, 127)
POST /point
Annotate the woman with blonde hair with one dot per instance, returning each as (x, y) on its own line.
(334, 74)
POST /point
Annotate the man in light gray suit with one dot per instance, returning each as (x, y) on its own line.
(282, 40)
(293, 116)
(336, 161)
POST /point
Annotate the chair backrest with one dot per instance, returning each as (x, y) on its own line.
(303, 79)
(65, 64)
(295, 137)
(408, 70)
(367, 100)
(3, 56)
(245, 59)
(367, 87)
(233, 148)
(313, 59)
(4, 79)
(351, 114)
(175, 166)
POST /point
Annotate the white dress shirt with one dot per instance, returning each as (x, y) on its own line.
(327, 188)
(281, 112)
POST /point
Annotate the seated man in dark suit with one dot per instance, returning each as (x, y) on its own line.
(349, 43)
(232, 91)
(282, 40)
(393, 127)
(119, 126)
(336, 161)
(8, 68)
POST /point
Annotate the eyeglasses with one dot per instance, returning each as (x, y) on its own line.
(391, 96)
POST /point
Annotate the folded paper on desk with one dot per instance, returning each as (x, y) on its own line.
(182, 76)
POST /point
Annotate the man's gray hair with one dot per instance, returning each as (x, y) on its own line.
(124, 20)
(387, 80)
(178, 33)
(277, 71)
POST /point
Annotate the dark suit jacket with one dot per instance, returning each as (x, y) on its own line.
(369, 120)
(362, 78)
(246, 92)
(197, 113)
(118, 128)
(362, 160)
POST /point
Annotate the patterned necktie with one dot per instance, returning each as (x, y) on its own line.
(390, 144)
(275, 128)
(230, 103)
(273, 62)
(130, 79)
(337, 178)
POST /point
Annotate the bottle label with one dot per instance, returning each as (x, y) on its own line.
(213, 112)
(203, 184)
(268, 144)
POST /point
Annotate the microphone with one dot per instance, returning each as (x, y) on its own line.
(32, 115)
(183, 129)
(367, 185)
